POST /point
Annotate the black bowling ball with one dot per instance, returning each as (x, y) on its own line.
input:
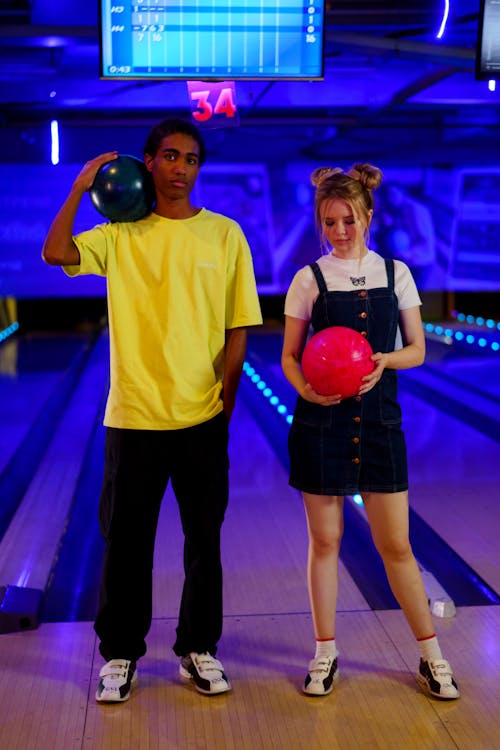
(123, 189)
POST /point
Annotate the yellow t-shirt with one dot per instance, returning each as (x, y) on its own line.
(174, 286)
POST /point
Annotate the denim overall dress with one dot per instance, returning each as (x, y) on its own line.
(357, 445)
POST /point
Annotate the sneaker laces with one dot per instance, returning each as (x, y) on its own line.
(114, 670)
(207, 663)
(441, 671)
(320, 664)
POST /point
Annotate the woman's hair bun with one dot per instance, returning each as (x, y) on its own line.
(367, 174)
(324, 173)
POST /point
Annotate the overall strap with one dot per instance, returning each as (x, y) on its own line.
(319, 277)
(389, 267)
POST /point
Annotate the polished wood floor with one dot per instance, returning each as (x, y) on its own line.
(48, 675)
(48, 680)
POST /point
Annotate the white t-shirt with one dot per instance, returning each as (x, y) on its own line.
(350, 275)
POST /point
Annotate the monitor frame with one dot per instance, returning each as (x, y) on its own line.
(105, 58)
(481, 72)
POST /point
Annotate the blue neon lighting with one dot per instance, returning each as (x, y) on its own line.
(54, 142)
(6, 332)
(446, 13)
(448, 334)
(282, 409)
(475, 320)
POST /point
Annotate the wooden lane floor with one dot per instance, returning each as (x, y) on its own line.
(48, 676)
(30, 545)
(31, 368)
(48, 680)
(454, 484)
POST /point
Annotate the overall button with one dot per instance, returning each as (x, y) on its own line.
(356, 460)
(362, 315)
(356, 419)
(364, 333)
(362, 294)
(355, 440)
(357, 398)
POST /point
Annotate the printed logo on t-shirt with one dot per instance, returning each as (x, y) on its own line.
(358, 280)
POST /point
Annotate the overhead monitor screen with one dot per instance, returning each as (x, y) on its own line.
(212, 39)
(488, 46)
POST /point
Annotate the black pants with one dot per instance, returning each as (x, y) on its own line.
(138, 467)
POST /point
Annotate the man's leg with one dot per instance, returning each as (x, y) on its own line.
(200, 483)
(135, 480)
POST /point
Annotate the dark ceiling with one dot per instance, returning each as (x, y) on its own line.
(392, 90)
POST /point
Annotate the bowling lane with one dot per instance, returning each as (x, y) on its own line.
(264, 537)
(475, 369)
(454, 480)
(453, 433)
(37, 377)
(30, 368)
(35, 536)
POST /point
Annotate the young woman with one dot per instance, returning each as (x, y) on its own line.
(342, 446)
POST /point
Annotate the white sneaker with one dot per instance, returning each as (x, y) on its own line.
(117, 677)
(322, 675)
(436, 678)
(206, 672)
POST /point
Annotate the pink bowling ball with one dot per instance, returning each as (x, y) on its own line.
(335, 359)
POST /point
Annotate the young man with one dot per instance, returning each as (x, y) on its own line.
(181, 292)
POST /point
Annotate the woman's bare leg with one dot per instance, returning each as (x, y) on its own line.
(389, 523)
(325, 525)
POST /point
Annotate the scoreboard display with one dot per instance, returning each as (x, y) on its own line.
(488, 43)
(212, 39)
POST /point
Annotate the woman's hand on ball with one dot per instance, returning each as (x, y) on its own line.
(309, 394)
(369, 381)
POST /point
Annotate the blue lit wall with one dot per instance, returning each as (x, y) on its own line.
(444, 223)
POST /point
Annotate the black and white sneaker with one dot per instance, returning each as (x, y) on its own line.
(322, 675)
(116, 679)
(206, 672)
(436, 679)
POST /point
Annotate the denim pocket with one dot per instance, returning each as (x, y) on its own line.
(388, 406)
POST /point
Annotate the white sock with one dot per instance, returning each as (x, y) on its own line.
(326, 648)
(429, 648)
